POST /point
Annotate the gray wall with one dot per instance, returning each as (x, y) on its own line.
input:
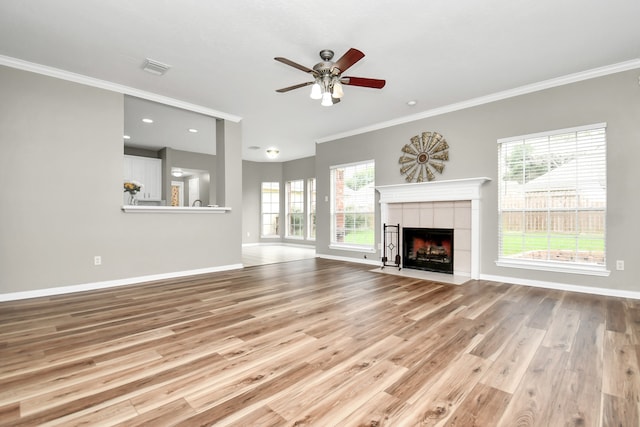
(472, 134)
(253, 174)
(61, 166)
(189, 160)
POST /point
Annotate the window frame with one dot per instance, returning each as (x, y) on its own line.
(289, 215)
(312, 206)
(271, 203)
(352, 246)
(551, 211)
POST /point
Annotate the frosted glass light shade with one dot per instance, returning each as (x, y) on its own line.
(337, 90)
(326, 99)
(316, 91)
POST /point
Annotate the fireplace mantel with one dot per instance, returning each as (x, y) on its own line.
(434, 191)
(440, 191)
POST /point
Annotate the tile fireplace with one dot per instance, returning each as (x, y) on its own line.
(452, 204)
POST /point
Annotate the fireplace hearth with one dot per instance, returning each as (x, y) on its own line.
(429, 249)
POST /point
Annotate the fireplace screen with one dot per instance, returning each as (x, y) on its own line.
(428, 249)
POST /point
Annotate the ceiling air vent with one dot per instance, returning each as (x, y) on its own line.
(155, 67)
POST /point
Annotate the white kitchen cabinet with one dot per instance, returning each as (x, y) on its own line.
(148, 172)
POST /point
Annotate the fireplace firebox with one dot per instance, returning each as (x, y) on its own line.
(429, 249)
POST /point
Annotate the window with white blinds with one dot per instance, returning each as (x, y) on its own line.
(353, 206)
(553, 200)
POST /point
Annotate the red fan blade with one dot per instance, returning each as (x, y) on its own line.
(294, 64)
(364, 82)
(287, 89)
(348, 59)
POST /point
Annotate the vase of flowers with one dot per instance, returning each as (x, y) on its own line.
(132, 187)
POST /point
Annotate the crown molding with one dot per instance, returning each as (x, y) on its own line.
(498, 96)
(114, 87)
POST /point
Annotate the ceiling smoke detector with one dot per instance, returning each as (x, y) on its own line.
(155, 67)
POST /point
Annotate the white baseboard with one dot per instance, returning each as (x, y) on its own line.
(13, 296)
(518, 281)
(563, 286)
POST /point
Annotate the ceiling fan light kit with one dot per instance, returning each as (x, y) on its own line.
(328, 79)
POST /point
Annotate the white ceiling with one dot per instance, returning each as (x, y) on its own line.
(170, 127)
(437, 52)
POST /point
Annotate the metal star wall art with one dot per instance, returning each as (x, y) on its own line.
(423, 156)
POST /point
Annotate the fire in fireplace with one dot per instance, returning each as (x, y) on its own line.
(428, 249)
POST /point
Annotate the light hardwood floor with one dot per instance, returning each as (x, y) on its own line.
(323, 343)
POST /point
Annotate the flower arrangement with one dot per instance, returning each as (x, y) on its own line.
(132, 187)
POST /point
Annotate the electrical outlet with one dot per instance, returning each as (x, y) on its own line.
(619, 264)
(97, 260)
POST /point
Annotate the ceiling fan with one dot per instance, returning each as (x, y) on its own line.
(328, 78)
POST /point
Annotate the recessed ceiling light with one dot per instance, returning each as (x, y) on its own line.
(412, 103)
(126, 137)
(192, 130)
(147, 120)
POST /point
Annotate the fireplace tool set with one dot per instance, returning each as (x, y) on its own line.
(391, 245)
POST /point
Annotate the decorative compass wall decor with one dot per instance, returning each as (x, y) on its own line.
(422, 155)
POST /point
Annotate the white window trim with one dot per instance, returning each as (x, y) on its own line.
(294, 237)
(553, 132)
(308, 208)
(353, 248)
(556, 267)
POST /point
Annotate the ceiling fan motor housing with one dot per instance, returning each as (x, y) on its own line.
(326, 54)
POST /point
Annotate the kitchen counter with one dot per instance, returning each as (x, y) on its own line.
(174, 209)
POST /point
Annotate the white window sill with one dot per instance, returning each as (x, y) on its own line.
(556, 267)
(294, 237)
(353, 248)
(173, 209)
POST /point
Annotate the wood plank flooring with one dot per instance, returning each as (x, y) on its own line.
(317, 342)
